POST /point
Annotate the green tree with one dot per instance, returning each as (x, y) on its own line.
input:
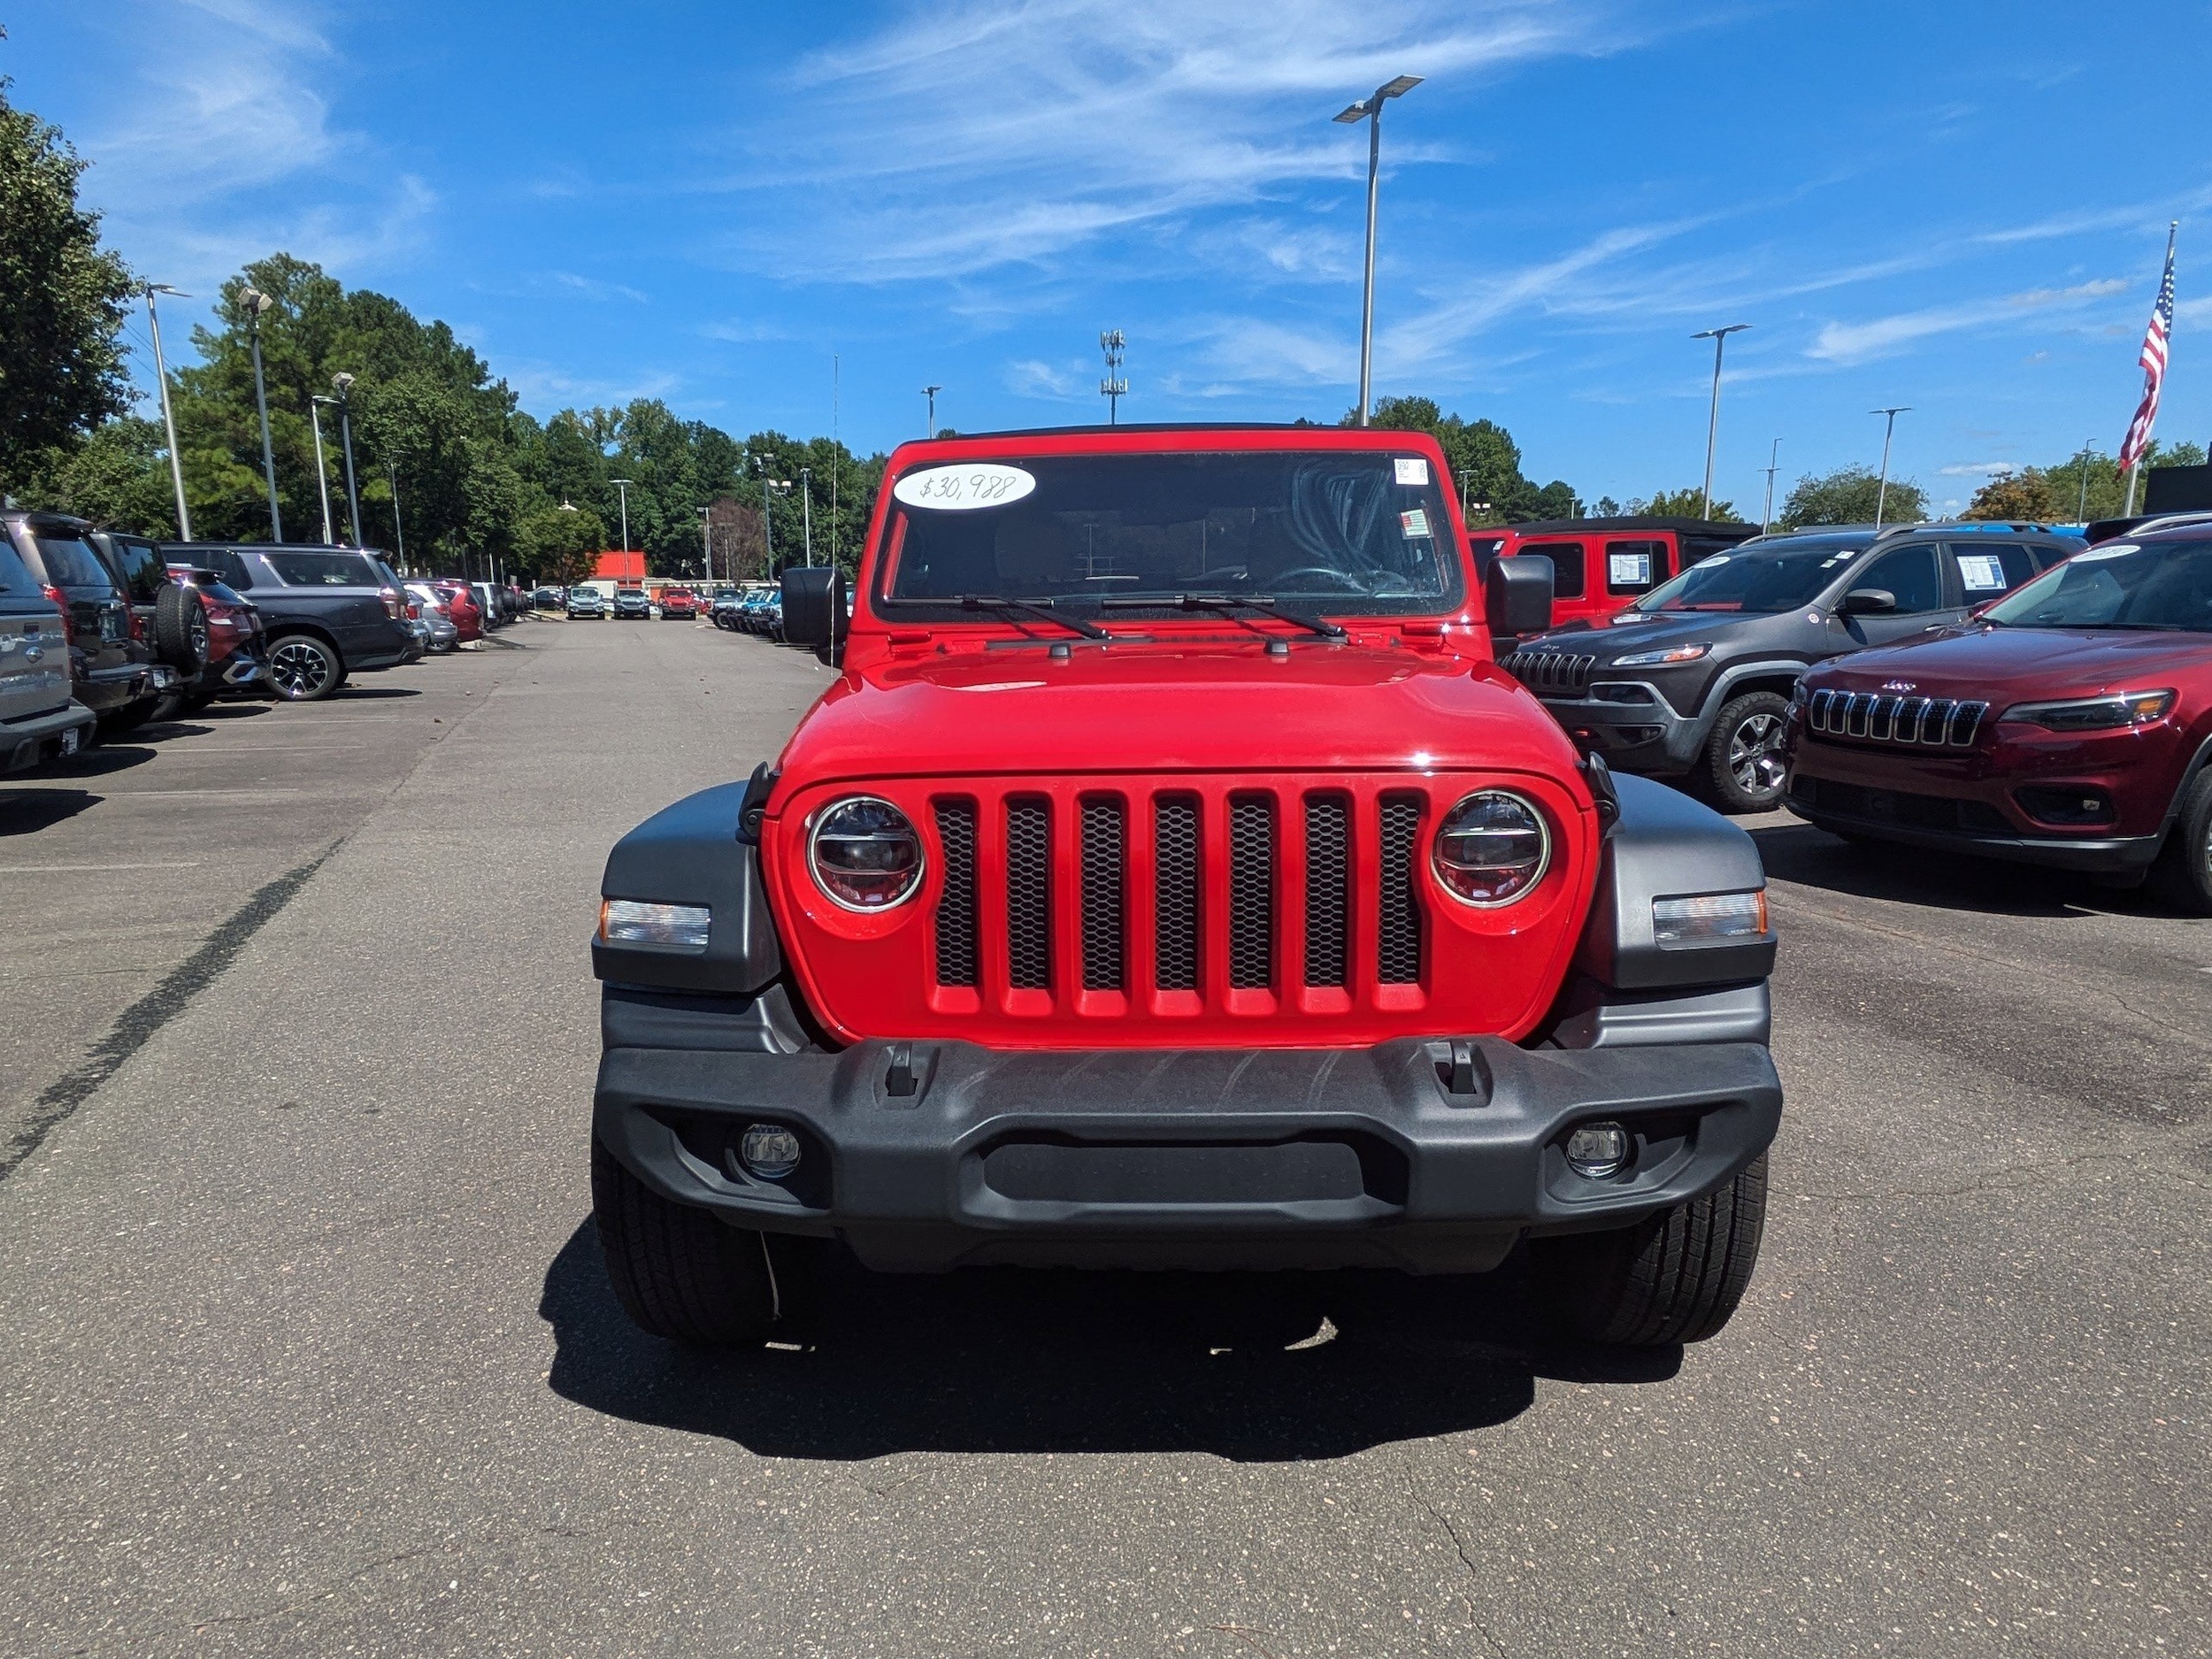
(119, 476)
(2086, 488)
(1484, 460)
(2029, 495)
(62, 300)
(1687, 503)
(1848, 495)
(556, 543)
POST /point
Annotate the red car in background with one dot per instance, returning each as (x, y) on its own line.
(2068, 724)
(1601, 567)
(237, 653)
(464, 608)
(678, 601)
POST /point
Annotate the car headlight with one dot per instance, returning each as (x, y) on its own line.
(632, 922)
(1667, 658)
(1491, 848)
(2095, 714)
(1700, 918)
(865, 854)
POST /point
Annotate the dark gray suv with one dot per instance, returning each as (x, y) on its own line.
(1696, 678)
(331, 612)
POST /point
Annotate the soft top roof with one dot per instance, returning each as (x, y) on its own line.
(1633, 521)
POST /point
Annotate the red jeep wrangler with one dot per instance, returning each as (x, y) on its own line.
(1171, 880)
(679, 602)
(1601, 567)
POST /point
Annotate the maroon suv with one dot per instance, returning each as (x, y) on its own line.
(2068, 723)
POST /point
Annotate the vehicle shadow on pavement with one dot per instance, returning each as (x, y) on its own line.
(1912, 875)
(362, 694)
(105, 760)
(28, 811)
(1009, 1359)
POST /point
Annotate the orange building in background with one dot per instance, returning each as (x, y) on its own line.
(618, 567)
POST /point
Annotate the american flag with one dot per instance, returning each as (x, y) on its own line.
(2154, 362)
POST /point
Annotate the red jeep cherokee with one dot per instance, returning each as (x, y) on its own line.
(2070, 723)
(1170, 879)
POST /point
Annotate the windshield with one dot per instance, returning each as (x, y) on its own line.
(1364, 532)
(2156, 585)
(1763, 581)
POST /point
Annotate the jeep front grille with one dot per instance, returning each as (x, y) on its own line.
(1878, 718)
(1551, 673)
(1216, 895)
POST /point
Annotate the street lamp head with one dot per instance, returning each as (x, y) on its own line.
(256, 302)
(568, 506)
(163, 287)
(1901, 409)
(329, 402)
(1398, 87)
(343, 382)
(1352, 112)
(1720, 334)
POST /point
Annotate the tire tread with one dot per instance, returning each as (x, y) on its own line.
(679, 1272)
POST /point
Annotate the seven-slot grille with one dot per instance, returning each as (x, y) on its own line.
(1928, 722)
(1555, 672)
(1294, 869)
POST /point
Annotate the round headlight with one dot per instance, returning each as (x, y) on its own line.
(1492, 848)
(865, 854)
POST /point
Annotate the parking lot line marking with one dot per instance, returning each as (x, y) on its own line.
(157, 795)
(46, 870)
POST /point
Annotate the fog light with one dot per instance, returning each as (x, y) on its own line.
(1597, 1150)
(769, 1151)
(630, 922)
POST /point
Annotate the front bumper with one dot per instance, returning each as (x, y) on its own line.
(1646, 736)
(1424, 1156)
(42, 737)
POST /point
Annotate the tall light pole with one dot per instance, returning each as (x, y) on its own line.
(706, 541)
(2081, 508)
(168, 419)
(1719, 337)
(1370, 109)
(399, 534)
(806, 499)
(1773, 465)
(930, 392)
(344, 383)
(623, 485)
(768, 487)
(315, 404)
(257, 304)
(1881, 493)
(1114, 387)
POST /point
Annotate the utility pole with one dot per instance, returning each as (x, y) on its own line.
(1773, 465)
(806, 499)
(930, 392)
(2081, 508)
(1370, 110)
(344, 385)
(706, 543)
(1719, 337)
(399, 535)
(168, 419)
(623, 484)
(1881, 494)
(1113, 388)
(837, 453)
(256, 303)
(322, 480)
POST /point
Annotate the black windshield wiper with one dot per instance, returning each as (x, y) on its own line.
(1042, 612)
(1261, 603)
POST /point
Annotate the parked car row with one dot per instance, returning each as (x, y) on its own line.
(101, 630)
(2002, 690)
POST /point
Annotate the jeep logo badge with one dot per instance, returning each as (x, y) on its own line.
(1898, 685)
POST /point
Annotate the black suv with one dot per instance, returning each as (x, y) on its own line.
(1696, 678)
(169, 614)
(330, 611)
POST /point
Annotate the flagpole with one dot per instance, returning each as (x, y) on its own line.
(2135, 468)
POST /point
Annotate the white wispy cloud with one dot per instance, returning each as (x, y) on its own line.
(987, 133)
(1977, 468)
(1856, 342)
(1034, 377)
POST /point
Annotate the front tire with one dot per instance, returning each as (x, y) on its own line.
(679, 1271)
(1675, 1276)
(2183, 874)
(1743, 757)
(304, 668)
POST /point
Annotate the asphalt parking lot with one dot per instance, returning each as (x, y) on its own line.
(306, 1349)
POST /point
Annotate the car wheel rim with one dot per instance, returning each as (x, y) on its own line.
(1754, 754)
(299, 669)
(197, 630)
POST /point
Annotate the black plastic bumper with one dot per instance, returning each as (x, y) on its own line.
(1429, 1156)
(2102, 855)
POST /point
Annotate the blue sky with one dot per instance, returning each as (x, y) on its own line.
(1957, 207)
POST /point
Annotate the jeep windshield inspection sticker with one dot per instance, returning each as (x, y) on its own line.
(1415, 524)
(958, 489)
(1412, 471)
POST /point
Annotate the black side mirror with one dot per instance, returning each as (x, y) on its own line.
(1861, 602)
(1516, 596)
(814, 606)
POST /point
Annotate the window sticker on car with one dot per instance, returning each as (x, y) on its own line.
(1829, 564)
(1623, 570)
(1412, 470)
(963, 488)
(1982, 572)
(1415, 525)
(2096, 553)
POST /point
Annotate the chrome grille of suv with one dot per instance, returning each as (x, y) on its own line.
(1550, 671)
(1878, 718)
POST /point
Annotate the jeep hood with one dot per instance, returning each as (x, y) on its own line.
(2023, 663)
(1196, 707)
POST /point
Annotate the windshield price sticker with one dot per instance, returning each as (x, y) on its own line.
(2097, 553)
(963, 488)
(1414, 524)
(1625, 570)
(1983, 572)
(1412, 470)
